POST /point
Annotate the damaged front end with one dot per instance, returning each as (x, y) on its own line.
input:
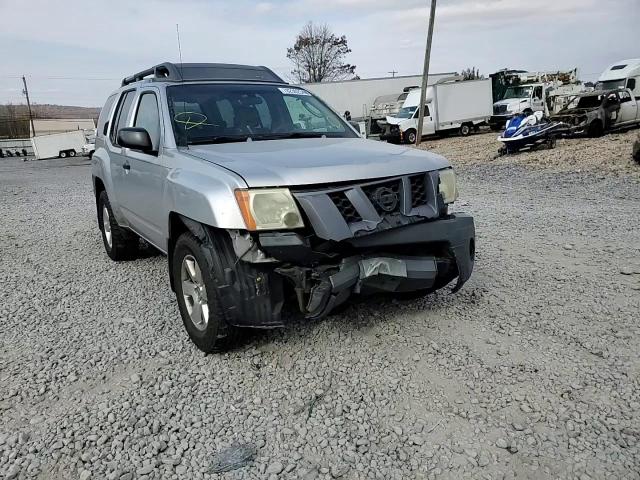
(390, 235)
(577, 121)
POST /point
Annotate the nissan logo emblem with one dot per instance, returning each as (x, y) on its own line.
(385, 198)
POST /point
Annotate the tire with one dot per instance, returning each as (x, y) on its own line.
(192, 271)
(62, 154)
(595, 129)
(465, 130)
(551, 142)
(410, 137)
(72, 153)
(119, 243)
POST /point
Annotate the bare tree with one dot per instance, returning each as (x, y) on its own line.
(318, 55)
(14, 121)
(471, 74)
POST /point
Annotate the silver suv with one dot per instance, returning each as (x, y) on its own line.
(263, 198)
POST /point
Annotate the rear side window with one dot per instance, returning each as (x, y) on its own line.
(103, 119)
(121, 115)
(148, 117)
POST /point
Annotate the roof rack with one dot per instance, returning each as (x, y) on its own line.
(192, 72)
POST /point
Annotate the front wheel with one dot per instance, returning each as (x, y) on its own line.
(410, 137)
(197, 294)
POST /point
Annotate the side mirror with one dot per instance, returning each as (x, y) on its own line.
(135, 138)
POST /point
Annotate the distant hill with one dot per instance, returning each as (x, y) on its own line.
(14, 119)
(64, 111)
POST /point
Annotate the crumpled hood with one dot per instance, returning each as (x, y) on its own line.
(509, 101)
(577, 111)
(395, 120)
(295, 162)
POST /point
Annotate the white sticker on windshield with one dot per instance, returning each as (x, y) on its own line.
(293, 91)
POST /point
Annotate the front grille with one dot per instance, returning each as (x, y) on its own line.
(346, 208)
(380, 197)
(418, 191)
(499, 109)
(367, 207)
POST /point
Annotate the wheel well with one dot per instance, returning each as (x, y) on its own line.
(176, 228)
(596, 127)
(98, 188)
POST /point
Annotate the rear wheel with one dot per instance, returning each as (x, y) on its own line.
(551, 142)
(62, 154)
(72, 153)
(196, 286)
(465, 129)
(119, 243)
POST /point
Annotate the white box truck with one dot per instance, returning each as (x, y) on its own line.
(62, 145)
(450, 106)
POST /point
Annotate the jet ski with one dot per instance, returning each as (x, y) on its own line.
(530, 131)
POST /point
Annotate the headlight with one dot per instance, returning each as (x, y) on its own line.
(269, 209)
(448, 187)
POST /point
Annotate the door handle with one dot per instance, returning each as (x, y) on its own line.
(126, 166)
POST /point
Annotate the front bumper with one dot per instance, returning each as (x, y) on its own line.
(420, 256)
(500, 120)
(392, 134)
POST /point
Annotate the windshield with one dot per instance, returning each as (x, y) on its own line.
(610, 84)
(590, 101)
(406, 112)
(517, 92)
(215, 113)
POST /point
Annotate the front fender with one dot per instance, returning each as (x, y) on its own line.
(206, 198)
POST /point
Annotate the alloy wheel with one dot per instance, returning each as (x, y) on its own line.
(194, 292)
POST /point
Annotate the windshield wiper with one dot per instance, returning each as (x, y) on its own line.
(218, 139)
(283, 136)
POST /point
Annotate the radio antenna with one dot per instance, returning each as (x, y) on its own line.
(182, 75)
(179, 47)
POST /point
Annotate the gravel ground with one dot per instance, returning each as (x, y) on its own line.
(531, 371)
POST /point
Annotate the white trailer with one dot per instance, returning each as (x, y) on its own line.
(62, 145)
(450, 106)
(358, 96)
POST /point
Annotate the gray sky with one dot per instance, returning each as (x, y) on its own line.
(74, 52)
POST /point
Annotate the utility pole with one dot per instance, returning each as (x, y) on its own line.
(393, 73)
(425, 73)
(26, 93)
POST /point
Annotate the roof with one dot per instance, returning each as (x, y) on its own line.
(621, 69)
(593, 93)
(397, 77)
(190, 72)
